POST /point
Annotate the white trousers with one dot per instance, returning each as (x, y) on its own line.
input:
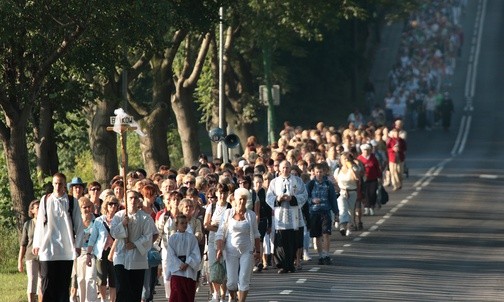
(239, 270)
(86, 279)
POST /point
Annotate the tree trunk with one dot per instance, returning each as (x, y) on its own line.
(182, 98)
(46, 149)
(154, 144)
(182, 106)
(20, 183)
(103, 142)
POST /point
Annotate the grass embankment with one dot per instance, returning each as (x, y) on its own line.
(12, 283)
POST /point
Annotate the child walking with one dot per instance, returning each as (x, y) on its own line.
(183, 262)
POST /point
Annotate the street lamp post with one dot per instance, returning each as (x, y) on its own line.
(221, 148)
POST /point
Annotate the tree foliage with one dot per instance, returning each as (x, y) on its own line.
(67, 57)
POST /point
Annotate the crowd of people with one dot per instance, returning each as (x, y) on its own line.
(431, 42)
(260, 211)
(255, 213)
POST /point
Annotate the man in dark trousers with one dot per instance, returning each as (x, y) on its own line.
(57, 240)
(286, 196)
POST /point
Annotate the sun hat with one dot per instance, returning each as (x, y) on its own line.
(76, 181)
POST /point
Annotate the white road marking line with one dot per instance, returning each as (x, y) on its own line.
(461, 128)
(381, 221)
(286, 292)
(301, 281)
(488, 176)
(314, 269)
(466, 133)
(373, 228)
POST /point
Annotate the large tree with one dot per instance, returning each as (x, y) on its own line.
(33, 37)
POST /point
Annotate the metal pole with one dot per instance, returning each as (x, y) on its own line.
(267, 78)
(221, 148)
(124, 136)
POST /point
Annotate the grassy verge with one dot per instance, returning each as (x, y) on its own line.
(12, 283)
(13, 287)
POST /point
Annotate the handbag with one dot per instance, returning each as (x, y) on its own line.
(218, 272)
(383, 196)
(154, 257)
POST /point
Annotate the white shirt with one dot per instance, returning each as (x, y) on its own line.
(55, 238)
(183, 244)
(227, 229)
(287, 217)
(238, 241)
(345, 180)
(139, 231)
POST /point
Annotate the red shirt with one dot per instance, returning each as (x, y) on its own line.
(372, 166)
(392, 153)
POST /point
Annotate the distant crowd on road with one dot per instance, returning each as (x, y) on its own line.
(420, 81)
(271, 207)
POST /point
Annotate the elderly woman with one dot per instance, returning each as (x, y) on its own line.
(239, 237)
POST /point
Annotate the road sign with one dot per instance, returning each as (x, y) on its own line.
(125, 120)
(263, 94)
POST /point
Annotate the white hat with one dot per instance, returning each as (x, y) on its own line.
(242, 163)
(365, 147)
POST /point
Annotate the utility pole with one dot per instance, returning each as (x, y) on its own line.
(222, 151)
(267, 78)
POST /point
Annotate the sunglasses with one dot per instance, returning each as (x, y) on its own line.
(94, 189)
(211, 197)
(190, 182)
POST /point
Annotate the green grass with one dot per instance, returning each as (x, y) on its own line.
(13, 287)
(12, 283)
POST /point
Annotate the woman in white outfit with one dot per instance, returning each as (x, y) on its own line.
(239, 237)
(347, 181)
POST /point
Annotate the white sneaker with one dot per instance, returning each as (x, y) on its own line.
(366, 211)
(215, 298)
(306, 256)
(348, 232)
(371, 212)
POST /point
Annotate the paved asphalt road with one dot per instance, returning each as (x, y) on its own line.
(441, 237)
